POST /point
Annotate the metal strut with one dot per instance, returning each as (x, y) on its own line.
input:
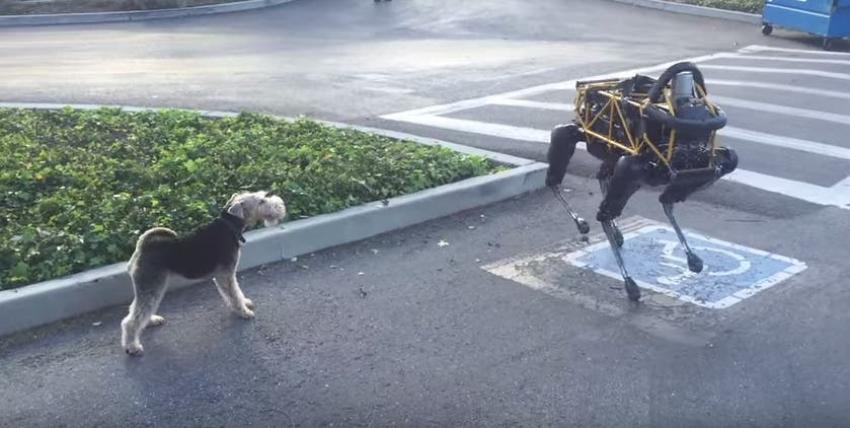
(581, 223)
(632, 289)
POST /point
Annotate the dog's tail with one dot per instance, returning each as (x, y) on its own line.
(154, 237)
(157, 234)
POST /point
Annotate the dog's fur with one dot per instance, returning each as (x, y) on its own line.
(212, 251)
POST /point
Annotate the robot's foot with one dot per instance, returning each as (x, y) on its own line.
(632, 289)
(694, 263)
(582, 226)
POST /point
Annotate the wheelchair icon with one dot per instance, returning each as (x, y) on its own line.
(738, 264)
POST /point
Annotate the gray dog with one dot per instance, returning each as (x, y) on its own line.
(210, 252)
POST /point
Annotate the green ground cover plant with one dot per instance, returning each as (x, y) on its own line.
(31, 7)
(77, 187)
(752, 6)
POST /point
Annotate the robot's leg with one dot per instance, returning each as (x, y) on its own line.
(694, 262)
(632, 290)
(606, 170)
(728, 161)
(562, 146)
(624, 182)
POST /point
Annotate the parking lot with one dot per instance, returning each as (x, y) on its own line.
(496, 316)
(789, 117)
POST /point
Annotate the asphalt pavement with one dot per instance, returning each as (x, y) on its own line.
(515, 322)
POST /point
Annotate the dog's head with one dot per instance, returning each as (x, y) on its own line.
(253, 207)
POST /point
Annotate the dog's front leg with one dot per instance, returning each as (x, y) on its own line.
(229, 289)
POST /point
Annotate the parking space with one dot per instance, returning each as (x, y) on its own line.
(789, 117)
(731, 273)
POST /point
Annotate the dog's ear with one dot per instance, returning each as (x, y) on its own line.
(236, 210)
(232, 198)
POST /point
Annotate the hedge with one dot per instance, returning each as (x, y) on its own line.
(77, 187)
(752, 6)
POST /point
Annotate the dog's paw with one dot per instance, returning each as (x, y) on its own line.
(249, 303)
(134, 349)
(156, 321)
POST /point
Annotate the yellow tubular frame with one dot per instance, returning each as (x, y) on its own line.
(634, 144)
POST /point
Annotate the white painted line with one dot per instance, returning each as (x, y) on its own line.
(522, 93)
(430, 116)
(786, 110)
(842, 192)
(761, 48)
(442, 109)
(729, 131)
(822, 149)
(786, 142)
(779, 87)
(783, 186)
(387, 89)
(481, 128)
(510, 272)
(513, 102)
(790, 59)
(795, 189)
(769, 70)
(542, 136)
(469, 150)
(528, 134)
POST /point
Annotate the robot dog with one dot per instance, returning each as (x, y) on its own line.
(646, 132)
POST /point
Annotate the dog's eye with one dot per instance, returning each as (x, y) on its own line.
(262, 201)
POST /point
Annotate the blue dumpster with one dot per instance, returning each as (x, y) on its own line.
(829, 19)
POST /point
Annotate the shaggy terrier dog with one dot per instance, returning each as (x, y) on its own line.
(212, 251)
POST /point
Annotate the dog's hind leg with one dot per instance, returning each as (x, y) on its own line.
(562, 146)
(228, 287)
(149, 290)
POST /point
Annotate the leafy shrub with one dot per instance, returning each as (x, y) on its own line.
(77, 187)
(752, 6)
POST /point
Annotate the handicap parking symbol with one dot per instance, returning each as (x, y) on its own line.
(656, 261)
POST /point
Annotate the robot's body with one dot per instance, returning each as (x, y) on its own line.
(646, 132)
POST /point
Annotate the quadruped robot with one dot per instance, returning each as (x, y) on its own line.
(654, 132)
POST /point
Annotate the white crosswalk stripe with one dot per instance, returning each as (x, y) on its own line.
(778, 87)
(790, 59)
(760, 48)
(837, 194)
(770, 70)
(785, 110)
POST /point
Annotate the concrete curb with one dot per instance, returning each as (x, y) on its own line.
(62, 298)
(689, 9)
(134, 15)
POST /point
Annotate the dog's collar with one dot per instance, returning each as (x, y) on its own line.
(234, 224)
